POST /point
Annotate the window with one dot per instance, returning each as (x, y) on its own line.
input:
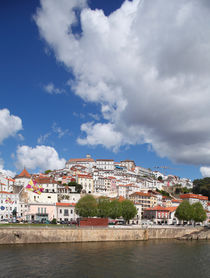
(60, 210)
(41, 210)
(44, 210)
(66, 212)
(38, 210)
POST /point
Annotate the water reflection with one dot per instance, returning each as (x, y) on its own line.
(111, 259)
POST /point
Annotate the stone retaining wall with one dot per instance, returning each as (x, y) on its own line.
(55, 235)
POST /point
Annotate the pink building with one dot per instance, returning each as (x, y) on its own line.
(41, 212)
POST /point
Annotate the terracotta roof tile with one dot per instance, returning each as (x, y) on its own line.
(66, 204)
(193, 196)
(24, 173)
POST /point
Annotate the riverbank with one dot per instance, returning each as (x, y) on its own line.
(21, 235)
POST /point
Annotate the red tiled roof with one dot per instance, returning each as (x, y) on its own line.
(5, 192)
(104, 159)
(176, 201)
(158, 208)
(24, 173)
(141, 194)
(193, 196)
(85, 176)
(81, 160)
(166, 198)
(172, 209)
(9, 179)
(45, 180)
(66, 204)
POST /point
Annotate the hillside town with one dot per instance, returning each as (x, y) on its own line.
(56, 192)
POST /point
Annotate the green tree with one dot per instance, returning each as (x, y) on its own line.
(115, 209)
(54, 221)
(86, 206)
(160, 178)
(129, 211)
(199, 214)
(47, 172)
(103, 207)
(184, 211)
(78, 187)
(14, 213)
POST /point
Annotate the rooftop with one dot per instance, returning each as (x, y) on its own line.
(24, 174)
(193, 196)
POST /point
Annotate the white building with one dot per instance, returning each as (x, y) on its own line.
(105, 164)
(193, 198)
(87, 162)
(66, 212)
(23, 178)
(8, 202)
(128, 164)
(44, 198)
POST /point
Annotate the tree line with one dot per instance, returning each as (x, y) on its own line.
(103, 207)
(188, 212)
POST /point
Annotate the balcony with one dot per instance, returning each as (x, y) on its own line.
(42, 214)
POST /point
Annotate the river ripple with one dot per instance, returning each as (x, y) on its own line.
(162, 258)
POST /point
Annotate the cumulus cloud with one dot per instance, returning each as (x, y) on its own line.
(205, 171)
(9, 124)
(51, 89)
(98, 133)
(42, 157)
(147, 64)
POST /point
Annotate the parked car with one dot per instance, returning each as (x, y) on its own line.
(120, 222)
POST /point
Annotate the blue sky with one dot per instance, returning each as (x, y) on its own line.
(35, 87)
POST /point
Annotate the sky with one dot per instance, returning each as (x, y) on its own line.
(113, 79)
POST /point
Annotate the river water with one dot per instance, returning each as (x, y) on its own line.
(140, 259)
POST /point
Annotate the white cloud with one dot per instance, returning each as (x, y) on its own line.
(51, 89)
(42, 138)
(147, 64)
(54, 130)
(96, 117)
(9, 124)
(205, 171)
(98, 133)
(59, 131)
(5, 172)
(42, 157)
(79, 115)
